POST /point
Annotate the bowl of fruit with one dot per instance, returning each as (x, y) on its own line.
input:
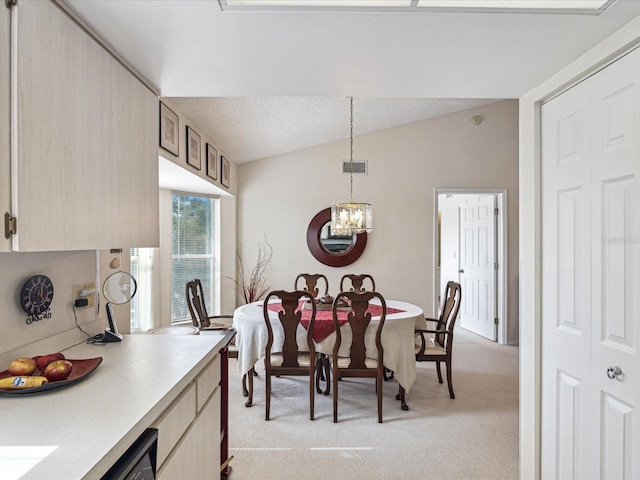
(44, 373)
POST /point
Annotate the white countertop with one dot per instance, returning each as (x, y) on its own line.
(79, 431)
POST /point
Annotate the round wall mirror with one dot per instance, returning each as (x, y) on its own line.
(335, 243)
(333, 250)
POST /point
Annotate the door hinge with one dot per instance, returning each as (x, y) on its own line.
(10, 225)
(495, 266)
(495, 211)
(495, 320)
(10, 3)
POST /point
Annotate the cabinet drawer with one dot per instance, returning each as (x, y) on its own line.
(208, 381)
(175, 422)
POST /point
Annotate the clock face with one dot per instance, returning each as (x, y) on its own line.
(36, 295)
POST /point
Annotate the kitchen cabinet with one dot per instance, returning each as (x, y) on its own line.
(195, 455)
(5, 152)
(84, 134)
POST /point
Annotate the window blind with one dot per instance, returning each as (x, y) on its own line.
(192, 251)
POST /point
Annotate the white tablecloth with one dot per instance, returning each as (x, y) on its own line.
(397, 338)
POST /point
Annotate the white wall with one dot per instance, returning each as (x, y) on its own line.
(65, 269)
(279, 196)
(530, 233)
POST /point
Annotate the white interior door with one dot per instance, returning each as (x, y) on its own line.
(449, 241)
(478, 265)
(591, 277)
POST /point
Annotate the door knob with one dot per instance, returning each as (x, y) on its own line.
(461, 270)
(613, 372)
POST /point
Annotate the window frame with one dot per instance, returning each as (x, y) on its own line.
(212, 291)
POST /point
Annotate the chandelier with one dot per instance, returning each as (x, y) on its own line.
(349, 217)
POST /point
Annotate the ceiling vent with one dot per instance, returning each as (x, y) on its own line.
(359, 167)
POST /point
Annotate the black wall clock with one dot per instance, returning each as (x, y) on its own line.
(36, 297)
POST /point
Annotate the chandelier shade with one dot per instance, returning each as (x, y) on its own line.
(351, 216)
(348, 217)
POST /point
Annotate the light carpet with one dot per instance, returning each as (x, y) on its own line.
(474, 436)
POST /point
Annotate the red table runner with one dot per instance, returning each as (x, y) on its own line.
(323, 326)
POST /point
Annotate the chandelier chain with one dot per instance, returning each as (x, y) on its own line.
(350, 218)
(351, 152)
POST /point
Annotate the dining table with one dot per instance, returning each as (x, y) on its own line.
(397, 336)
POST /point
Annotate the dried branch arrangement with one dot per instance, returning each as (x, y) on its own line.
(253, 285)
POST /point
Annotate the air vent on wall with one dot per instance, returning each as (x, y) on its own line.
(359, 167)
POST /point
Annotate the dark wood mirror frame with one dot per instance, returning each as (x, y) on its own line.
(332, 259)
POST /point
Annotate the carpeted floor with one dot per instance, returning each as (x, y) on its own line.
(474, 436)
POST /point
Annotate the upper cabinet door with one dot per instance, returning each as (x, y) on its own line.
(84, 160)
(5, 76)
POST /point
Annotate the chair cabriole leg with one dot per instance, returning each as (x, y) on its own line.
(327, 374)
(245, 392)
(267, 382)
(311, 392)
(249, 401)
(402, 397)
(379, 388)
(449, 381)
(335, 395)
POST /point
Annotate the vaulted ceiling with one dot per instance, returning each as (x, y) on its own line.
(265, 83)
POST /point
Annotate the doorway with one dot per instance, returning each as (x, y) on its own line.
(470, 248)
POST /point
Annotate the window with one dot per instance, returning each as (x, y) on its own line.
(142, 313)
(192, 254)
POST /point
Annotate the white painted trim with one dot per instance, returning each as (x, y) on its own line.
(625, 39)
(501, 234)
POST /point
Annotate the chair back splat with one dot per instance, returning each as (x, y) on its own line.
(196, 304)
(360, 362)
(311, 283)
(287, 358)
(198, 309)
(357, 283)
(440, 348)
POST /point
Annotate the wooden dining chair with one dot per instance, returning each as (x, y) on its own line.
(358, 283)
(360, 362)
(439, 348)
(289, 360)
(311, 283)
(205, 322)
(323, 368)
(198, 309)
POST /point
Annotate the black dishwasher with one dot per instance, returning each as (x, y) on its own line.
(139, 461)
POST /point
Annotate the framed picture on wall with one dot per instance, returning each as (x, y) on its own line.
(169, 127)
(212, 162)
(193, 148)
(225, 171)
